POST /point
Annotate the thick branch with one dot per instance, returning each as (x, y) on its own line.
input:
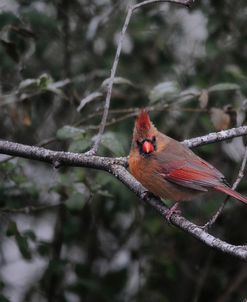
(75, 159)
(110, 86)
(59, 158)
(116, 166)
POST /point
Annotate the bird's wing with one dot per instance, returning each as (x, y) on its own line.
(195, 174)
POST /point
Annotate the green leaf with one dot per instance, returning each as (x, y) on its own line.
(12, 229)
(43, 248)
(110, 140)
(30, 234)
(235, 71)
(23, 246)
(117, 81)
(67, 132)
(29, 86)
(35, 85)
(78, 197)
(188, 94)
(224, 87)
(76, 201)
(89, 98)
(165, 90)
(44, 81)
(22, 241)
(80, 145)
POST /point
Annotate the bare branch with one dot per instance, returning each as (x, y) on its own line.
(215, 137)
(241, 171)
(110, 86)
(37, 153)
(130, 11)
(29, 209)
(59, 158)
(117, 167)
(234, 186)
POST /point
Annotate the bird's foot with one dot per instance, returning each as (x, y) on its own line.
(171, 211)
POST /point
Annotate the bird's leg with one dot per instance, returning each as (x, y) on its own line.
(212, 221)
(172, 210)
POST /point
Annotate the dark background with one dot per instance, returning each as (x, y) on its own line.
(80, 235)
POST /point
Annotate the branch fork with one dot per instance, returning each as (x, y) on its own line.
(117, 167)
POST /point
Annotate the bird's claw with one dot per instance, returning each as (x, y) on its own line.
(171, 211)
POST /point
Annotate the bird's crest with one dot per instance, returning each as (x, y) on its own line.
(143, 122)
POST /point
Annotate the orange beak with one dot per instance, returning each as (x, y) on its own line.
(147, 147)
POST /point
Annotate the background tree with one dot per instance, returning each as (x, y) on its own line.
(73, 234)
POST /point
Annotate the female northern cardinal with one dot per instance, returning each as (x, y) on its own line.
(170, 170)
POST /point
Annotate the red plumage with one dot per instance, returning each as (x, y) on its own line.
(143, 122)
(169, 169)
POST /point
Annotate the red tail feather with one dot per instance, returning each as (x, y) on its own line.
(232, 193)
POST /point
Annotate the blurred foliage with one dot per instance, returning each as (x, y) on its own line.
(87, 237)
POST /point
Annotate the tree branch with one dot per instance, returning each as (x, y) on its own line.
(59, 158)
(215, 137)
(130, 11)
(117, 167)
(177, 220)
(95, 148)
(234, 186)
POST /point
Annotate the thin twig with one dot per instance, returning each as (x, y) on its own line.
(114, 120)
(110, 86)
(136, 110)
(130, 11)
(212, 221)
(241, 171)
(29, 209)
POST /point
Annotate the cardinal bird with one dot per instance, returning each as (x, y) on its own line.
(169, 169)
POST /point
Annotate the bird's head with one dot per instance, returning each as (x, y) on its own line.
(145, 134)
